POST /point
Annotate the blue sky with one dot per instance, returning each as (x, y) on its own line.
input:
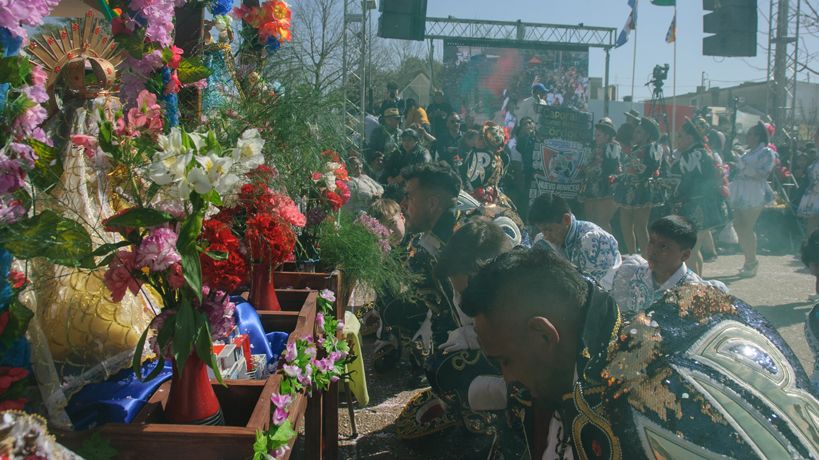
(653, 22)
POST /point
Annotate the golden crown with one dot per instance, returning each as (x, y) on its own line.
(82, 41)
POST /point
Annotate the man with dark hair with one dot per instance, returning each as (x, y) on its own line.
(392, 100)
(458, 373)
(587, 246)
(430, 195)
(639, 282)
(689, 378)
(447, 144)
(408, 153)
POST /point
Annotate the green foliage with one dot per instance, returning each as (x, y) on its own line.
(297, 125)
(15, 70)
(48, 168)
(140, 217)
(97, 448)
(352, 248)
(57, 239)
(192, 69)
(19, 316)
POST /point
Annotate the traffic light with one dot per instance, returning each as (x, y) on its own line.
(402, 19)
(733, 23)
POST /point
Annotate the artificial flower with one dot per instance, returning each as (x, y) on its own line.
(11, 209)
(327, 295)
(87, 143)
(213, 172)
(119, 277)
(176, 279)
(157, 251)
(291, 352)
(292, 370)
(12, 176)
(280, 400)
(248, 151)
(320, 321)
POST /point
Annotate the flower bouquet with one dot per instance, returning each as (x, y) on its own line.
(264, 221)
(327, 193)
(172, 182)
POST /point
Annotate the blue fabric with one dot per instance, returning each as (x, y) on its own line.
(220, 7)
(5, 286)
(247, 320)
(117, 400)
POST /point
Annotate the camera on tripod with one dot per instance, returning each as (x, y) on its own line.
(659, 76)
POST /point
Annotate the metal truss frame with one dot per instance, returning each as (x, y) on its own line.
(355, 46)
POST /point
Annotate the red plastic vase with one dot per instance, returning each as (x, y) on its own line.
(262, 289)
(191, 400)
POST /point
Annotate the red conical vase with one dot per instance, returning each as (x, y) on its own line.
(262, 290)
(191, 400)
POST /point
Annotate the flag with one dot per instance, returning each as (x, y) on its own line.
(631, 24)
(671, 35)
(664, 2)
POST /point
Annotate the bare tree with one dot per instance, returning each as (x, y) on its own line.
(315, 53)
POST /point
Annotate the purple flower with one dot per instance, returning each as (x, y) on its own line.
(323, 365)
(340, 326)
(291, 353)
(35, 93)
(25, 154)
(292, 370)
(12, 176)
(29, 120)
(279, 416)
(334, 378)
(11, 209)
(327, 295)
(158, 250)
(219, 310)
(337, 356)
(281, 401)
(310, 352)
(306, 378)
(279, 453)
(320, 321)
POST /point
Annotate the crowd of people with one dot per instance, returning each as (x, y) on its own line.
(568, 344)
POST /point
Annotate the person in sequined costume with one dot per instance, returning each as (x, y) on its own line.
(690, 377)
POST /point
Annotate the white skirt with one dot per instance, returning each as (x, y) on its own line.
(750, 193)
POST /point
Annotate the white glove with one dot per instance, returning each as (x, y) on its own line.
(463, 338)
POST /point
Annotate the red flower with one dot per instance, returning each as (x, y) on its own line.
(227, 274)
(18, 279)
(336, 202)
(341, 173)
(10, 375)
(343, 191)
(596, 448)
(270, 239)
(331, 155)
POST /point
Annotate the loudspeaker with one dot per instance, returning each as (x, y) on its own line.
(402, 19)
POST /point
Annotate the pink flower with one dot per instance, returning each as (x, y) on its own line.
(340, 326)
(281, 401)
(175, 277)
(25, 154)
(292, 215)
(88, 144)
(320, 321)
(310, 351)
(324, 365)
(327, 295)
(279, 416)
(292, 370)
(38, 76)
(219, 310)
(35, 93)
(279, 453)
(173, 84)
(12, 176)
(119, 276)
(291, 353)
(11, 209)
(306, 377)
(337, 356)
(29, 120)
(176, 57)
(158, 250)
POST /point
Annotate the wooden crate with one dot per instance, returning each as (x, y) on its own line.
(245, 404)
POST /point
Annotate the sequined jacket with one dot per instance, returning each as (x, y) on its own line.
(697, 375)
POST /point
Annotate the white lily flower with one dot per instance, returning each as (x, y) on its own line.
(168, 167)
(212, 172)
(248, 151)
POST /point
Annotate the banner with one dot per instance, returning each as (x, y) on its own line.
(486, 82)
(568, 138)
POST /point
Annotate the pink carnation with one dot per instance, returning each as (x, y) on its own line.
(158, 250)
(12, 176)
(175, 277)
(119, 276)
(219, 310)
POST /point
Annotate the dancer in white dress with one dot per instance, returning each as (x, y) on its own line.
(750, 192)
